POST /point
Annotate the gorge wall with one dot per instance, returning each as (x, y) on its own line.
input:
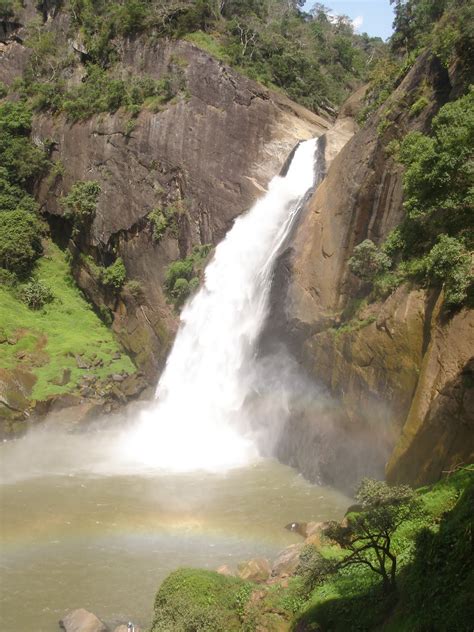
(209, 153)
(400, 369)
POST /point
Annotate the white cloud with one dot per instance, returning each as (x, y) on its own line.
(357, 22)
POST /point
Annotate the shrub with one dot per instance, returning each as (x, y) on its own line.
(419, 105)
(7, 278)
(180, 291)
(182, 269)
(201, 600)
(20, 241)
(450, 263)
(114, 276)
(367, 261)
(7, 10)
(135, 289)
(159, 223)
(313, 568)
(80, 204)
(36, 294)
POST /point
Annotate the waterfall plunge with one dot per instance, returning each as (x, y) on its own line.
(199, 418)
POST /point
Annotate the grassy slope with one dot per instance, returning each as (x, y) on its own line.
(52, 336)
(435, 578)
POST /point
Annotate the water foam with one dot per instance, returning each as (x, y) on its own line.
(198, 419)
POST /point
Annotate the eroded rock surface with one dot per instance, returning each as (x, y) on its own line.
(398, 372)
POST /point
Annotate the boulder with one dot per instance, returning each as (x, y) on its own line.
(257, 570)
(15, 389)
(63, 379)
(82, 621)
(125, 628)
(287, 560)
(225, 570)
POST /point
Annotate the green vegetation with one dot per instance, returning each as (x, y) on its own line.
(433, 244)
(36, 294)
(48, 338)
(369, 531)
(183, 276)
(434, 573)
(166, 219)
(80, 204)
(368, 261)
(191, 600)
(114, 276)
(21, 162)
(135, 289)
(312, 58)
(430, 534)
(441, 27)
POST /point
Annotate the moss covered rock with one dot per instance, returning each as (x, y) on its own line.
(196, 600)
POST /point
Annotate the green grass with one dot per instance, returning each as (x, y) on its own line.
(53, 335)
(206, 42)
(191, 599)
(435, 573)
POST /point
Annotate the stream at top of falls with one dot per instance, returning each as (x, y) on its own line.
(97, 519)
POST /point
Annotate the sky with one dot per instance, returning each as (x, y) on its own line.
(370, 16)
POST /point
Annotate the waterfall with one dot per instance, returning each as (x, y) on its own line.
(199, 418)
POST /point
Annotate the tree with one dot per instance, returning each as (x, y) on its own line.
(367, 535)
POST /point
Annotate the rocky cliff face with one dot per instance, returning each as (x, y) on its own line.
(401, 382)
(209, 153)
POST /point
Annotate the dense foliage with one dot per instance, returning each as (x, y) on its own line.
(368, 533)
(183, 276)
(442, 27)
(433, 243)
(200, 600)
(20, 162)
(80, 204)
(315, 58)
(434, 574)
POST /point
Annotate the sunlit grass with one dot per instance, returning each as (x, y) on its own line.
(53, 335)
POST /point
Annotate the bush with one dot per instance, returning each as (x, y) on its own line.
(450, 263)
(135, 289)
(7, 10)
(180, 291)
(100, 91)
(36, 294)
(367, 261)
(182, 269)
(80, 204)
(198, 600)
(20, 241)
(114, 276)
(159, 223)
(183, 276)
(313, 568)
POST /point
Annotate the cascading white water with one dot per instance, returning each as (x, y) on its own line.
(198, 420)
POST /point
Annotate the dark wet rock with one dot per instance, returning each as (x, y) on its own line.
(82, 621)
